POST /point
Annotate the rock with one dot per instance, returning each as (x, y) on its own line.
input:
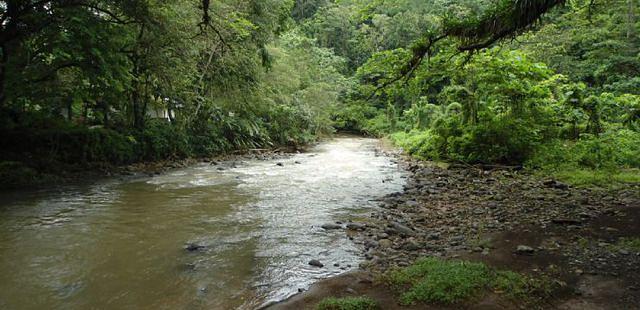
(280, 164)
(383, 236)
(316, 263)
(411, 204)
(555, 184)
(412, 245)
(433, 236)
(330, 226)
(566, 221)
(478, 211)
(524, 250)
(356, 226)
(401, 229)
(371, 244)
(192, 247)
(385, 243)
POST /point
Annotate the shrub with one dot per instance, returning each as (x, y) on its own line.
(162, 140)
(611, 150)
(15, 174)
(502, 140)
(421, 144)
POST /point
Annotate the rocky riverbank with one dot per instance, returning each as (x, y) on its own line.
(584, 239)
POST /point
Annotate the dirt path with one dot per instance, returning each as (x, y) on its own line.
(506, 219)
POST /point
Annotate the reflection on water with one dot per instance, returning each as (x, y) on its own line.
(121, 244)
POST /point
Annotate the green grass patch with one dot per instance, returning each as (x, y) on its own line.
(602, 178)
(347, 303)
(433, 280)
(629, 244)
(521, 287)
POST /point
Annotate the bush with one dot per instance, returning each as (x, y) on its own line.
(498, 141)
(15, 174)
(69, 144)
(361, 117)
(612, 150)
(161, 140)
(502, 140)
(421, 144)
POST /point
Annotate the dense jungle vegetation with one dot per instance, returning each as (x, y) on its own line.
(547, 84)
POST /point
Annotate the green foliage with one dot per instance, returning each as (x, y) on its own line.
(70, 145)
(354, 117)
(501, 140)
(16, 174)
(597, 44)
(347, 303)
(434, 280)
(628, 244)
(264, 73)
(613, 149)
(521, 287)
(247, 79)
(493, 111)
(607, 160)
(437, 281)
(584, 177)
(421, 144)
(162, 140)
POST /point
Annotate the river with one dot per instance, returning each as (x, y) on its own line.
(121, 243)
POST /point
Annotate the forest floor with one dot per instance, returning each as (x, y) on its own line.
(585, 241)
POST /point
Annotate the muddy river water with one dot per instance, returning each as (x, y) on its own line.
(252, 228)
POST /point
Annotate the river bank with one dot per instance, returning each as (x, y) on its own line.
(584, 240)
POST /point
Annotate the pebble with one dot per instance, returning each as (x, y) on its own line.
(330, 226)
(524, 250)
(356, 226)
(401, 229)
